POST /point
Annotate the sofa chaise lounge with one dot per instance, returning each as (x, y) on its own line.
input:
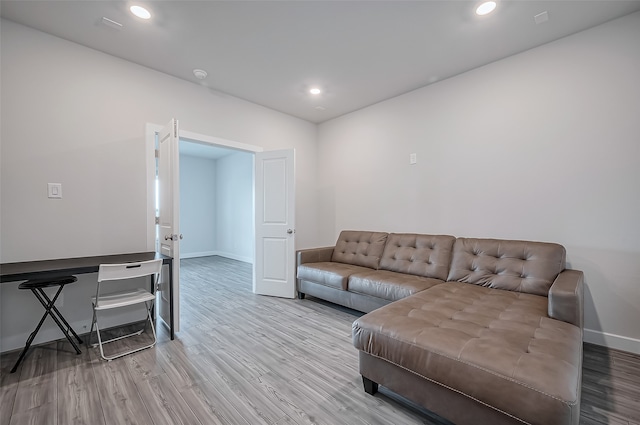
(479, 331)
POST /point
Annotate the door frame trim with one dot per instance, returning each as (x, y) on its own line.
(150, 133)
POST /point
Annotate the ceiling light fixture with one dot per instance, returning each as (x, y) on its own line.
(140, 12)
(315, 90)
(200, 74)
(486, 8)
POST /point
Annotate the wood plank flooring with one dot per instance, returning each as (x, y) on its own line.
(246, 359)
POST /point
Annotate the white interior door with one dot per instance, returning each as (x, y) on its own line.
(274, 266)
(169, 219)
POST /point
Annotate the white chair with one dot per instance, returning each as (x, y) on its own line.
(114, 272)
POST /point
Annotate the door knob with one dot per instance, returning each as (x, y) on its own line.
(289, 231)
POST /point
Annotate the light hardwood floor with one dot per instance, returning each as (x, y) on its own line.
(246, 359)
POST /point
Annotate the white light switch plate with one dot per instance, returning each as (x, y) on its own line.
(54, 190)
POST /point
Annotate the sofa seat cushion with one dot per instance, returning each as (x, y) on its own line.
(388, 285)
(334, 275)
(495, 346)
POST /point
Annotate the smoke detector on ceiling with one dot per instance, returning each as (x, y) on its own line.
(200, 74)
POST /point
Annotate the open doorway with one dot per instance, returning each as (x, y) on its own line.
(272, 210)
(163, 206)
(216, 201)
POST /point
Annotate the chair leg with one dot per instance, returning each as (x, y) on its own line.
(30, 339)
(49, 310)
(69, 328)
(49, 307)
(93, 321)
(153, 328)
(101, 343)
(100, 339)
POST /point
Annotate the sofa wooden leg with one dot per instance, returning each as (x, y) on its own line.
(300, 295)
(370, 387)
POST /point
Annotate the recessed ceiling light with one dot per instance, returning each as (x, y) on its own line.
(486, 8)
(140, 12)
(315, 90)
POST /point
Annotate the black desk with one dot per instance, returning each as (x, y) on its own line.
(11, 272)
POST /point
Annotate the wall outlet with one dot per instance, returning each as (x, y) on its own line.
(413, 158)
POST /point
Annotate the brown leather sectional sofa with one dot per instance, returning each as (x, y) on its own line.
(479, 331)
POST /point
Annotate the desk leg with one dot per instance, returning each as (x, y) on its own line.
(154, 290)
(171, 325)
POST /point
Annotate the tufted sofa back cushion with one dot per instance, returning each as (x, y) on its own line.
(359, 248)
(521, 266)
(420, 255)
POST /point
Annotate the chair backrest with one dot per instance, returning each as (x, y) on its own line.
(129, 270)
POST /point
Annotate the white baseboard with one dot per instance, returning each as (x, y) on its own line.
(235, 257)
(50, 332)
(16, 342)
(198, 254)
(617, 342)
(219, 253)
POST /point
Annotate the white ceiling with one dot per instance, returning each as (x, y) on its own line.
(271, 52)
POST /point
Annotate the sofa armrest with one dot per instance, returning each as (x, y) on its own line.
(566, 298)
(314, 255)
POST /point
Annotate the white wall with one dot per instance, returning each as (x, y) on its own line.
(234, 206)
(197, 206)
(216, 206)
(76, 116)
(544, 146)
